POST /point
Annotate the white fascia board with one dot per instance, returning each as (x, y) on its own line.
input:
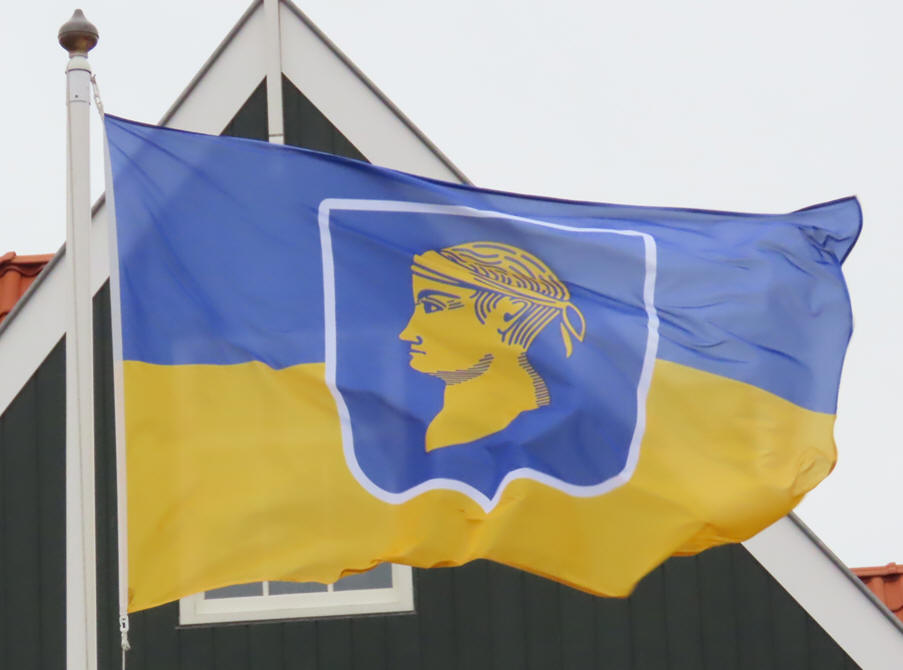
(209, 102)
(830, 593)
(353, 104)
(229, 76)
(28, 335)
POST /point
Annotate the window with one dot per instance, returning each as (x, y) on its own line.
(385, 588)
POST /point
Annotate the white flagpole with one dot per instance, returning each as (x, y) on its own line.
(78, 36)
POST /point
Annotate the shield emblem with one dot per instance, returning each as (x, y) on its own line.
(469, 348)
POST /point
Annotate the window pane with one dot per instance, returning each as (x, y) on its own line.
(278, 588)
(379, 577)
(237, 591)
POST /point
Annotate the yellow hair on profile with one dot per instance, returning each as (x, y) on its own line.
(495, 270)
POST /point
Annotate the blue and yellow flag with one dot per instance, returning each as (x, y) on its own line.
(328, 365)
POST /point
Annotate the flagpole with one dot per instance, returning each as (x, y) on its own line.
(78, 36)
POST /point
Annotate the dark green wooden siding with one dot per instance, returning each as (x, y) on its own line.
(32, 518)
(306, 127)
(718, 611)
(251, 121)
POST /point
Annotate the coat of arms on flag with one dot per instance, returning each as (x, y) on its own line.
(465, 364)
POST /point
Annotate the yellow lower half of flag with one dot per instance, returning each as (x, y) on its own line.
(237, 474)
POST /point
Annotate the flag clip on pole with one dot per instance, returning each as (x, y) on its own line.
(78, 36)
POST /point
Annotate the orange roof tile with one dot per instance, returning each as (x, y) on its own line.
(16, 274)
(886, 582)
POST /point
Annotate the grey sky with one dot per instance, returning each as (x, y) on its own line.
(769, 106)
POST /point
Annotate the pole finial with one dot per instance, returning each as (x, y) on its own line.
(78, 35)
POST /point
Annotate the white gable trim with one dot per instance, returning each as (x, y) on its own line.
(225, 81)
(353, 104)
(275, 116)
(28, 335)
(830, 593)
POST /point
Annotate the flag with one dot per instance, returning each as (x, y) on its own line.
(328, 365)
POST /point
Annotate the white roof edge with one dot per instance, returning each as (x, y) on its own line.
(376, 91)
(227, 40)
(847, 572)
(25, 297)
(832, 595)
(32, 329)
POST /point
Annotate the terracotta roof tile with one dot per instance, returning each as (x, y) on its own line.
(16, 274)
(886, 582)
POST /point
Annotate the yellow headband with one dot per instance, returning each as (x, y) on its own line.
(443, 268)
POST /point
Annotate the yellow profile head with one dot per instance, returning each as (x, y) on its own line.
(483, 298)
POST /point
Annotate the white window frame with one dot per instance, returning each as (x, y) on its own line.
(196, 609)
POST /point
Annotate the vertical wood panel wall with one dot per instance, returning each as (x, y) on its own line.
(32, 518)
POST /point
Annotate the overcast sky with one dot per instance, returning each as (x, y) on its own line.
(767, 106)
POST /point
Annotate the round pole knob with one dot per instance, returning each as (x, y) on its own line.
(78, 35)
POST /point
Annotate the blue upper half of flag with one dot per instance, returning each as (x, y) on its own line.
(223, 260)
